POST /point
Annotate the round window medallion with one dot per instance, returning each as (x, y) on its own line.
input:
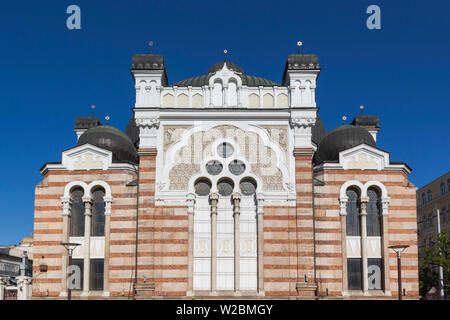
(248, 186)
(225, 187)
(225, 150)
(214, 167)
(202, 187)
(236, 167)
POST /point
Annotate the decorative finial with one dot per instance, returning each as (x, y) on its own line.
(299, 44)
(151, 45)
(362, 108)
(344, 118)
(92, 112)
(225, 55)
(107, 119)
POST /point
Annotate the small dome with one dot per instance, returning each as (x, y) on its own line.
(27, 241)
(112, 139)
(340, 139)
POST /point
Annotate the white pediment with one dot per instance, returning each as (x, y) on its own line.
(364, 157)
(87, 157)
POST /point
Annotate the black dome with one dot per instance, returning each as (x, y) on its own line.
(340, 139)
(247, 80)
(112, 139)
(230, 65)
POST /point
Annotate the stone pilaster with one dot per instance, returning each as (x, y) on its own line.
(190, 199)
(237, 238)
(260, 213)
(214, 197)
(66, 214)
(108, 202)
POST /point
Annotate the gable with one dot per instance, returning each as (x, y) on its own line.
(364, 157)
(87, 157)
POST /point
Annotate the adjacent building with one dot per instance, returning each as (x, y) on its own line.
(432, 199)
(225, 185)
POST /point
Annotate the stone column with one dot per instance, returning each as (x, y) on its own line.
(87, 244)
(260, 235)
(343, 214)
(190, 211)
(237, 238)
(66, 213)
(365, 272)
(108, 202)
(385, 244)
(214, 199)
(23, 288)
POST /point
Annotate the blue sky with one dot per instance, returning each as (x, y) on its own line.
(50, 75)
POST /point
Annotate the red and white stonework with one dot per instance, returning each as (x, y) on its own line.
(235, 191)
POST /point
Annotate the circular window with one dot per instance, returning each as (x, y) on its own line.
(248, 186)
(202, 187)
(214, 167)
(225, 150)
(236, 167)
(225, 187)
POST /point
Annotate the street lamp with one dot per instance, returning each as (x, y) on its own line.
(398, 250)
(69, 247)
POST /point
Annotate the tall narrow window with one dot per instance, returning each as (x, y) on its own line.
(77, 216)
(442, 188)
(80, 264)
(448, 185)
(354, 274)
(444, 215)
(430, 220)
(430, 196)
(424, 199)
(353, 223)
(98, 213)
(96, 274)
(202, 236)
(373, 214)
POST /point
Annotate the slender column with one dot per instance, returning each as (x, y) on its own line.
(343, 214)
(87, 243)
(399, 270)
(211, 92)
(237, 237)
(67, 209)
(108, 201)
(190, 211)
(364, 244)
(260, 212)
(214, 199)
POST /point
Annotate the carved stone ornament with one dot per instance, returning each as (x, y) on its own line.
(147, 123)
(303, 122)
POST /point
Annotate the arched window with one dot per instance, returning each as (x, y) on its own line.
(442, 188)
(77, 216)
(353, 205)
(373, 214)
(98, 213)
(430, 196)
(444, 214)
(424, 199)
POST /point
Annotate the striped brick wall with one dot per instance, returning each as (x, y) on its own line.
(48, 222)
(163, 237)
(400, 225)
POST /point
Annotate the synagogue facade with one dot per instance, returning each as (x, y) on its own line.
(225, 185)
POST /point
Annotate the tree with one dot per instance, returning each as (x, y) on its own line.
(436, 256)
